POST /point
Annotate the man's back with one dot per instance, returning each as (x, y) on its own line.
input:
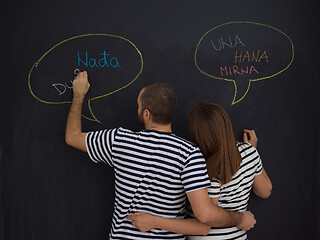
(153, 172)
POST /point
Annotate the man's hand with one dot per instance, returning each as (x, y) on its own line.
(81, 85)
(250, 137)
(142, 221)
(247, 221)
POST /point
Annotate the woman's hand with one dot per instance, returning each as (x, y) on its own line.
(249, 136)
(143, 221)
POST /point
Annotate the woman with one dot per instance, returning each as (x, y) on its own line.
(233, 168)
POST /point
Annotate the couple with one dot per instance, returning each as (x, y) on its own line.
(157, 174)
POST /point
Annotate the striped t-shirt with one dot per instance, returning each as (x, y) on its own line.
(153, 172)
(234, 195)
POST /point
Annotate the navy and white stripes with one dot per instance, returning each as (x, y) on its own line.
(234, 195)
(153, 172)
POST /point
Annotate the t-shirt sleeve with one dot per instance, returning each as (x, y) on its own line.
(214, 189)
(259, 166)
(194, 174)
(258, 161)
(99, 145)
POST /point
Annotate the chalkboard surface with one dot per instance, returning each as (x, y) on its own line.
(256, 59)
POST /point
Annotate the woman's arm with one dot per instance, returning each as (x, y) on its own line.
(262, 185)
(192, 226)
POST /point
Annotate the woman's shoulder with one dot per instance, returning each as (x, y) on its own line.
(243, 146)
(247, 151)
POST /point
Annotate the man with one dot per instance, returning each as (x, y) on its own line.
(155, 171)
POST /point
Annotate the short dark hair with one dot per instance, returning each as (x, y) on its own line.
(161, 100)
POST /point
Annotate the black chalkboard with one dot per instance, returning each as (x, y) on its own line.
(256, 59)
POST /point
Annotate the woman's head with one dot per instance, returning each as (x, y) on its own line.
(211, 129)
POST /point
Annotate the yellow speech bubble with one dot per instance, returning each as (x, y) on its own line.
(93, 117)
(231, 43)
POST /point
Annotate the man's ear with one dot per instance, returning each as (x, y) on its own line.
(147, 114)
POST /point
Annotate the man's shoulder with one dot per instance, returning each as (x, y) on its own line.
(185, 146)
(154, 136)
(186, 142)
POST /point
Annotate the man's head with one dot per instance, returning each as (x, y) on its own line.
(160, 100)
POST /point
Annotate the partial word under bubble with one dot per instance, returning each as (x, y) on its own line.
(62, 87)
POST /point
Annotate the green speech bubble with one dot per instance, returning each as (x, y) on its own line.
(56, 64)
(243, 52)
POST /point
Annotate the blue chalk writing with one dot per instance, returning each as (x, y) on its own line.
(102, 62)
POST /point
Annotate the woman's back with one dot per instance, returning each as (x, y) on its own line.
(234, 195)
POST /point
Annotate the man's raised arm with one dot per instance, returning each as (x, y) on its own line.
(74, 135)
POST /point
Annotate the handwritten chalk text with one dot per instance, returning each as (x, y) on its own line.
(234, 70)
(253, 57)
(101, 63)
(229, 43)
(62, 87)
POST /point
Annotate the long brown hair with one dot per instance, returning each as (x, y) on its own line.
(211, 129)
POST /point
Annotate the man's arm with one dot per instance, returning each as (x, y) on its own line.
(207, 213)
(145, 222)
(190, 226)
(74, 135)
(210, 214)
